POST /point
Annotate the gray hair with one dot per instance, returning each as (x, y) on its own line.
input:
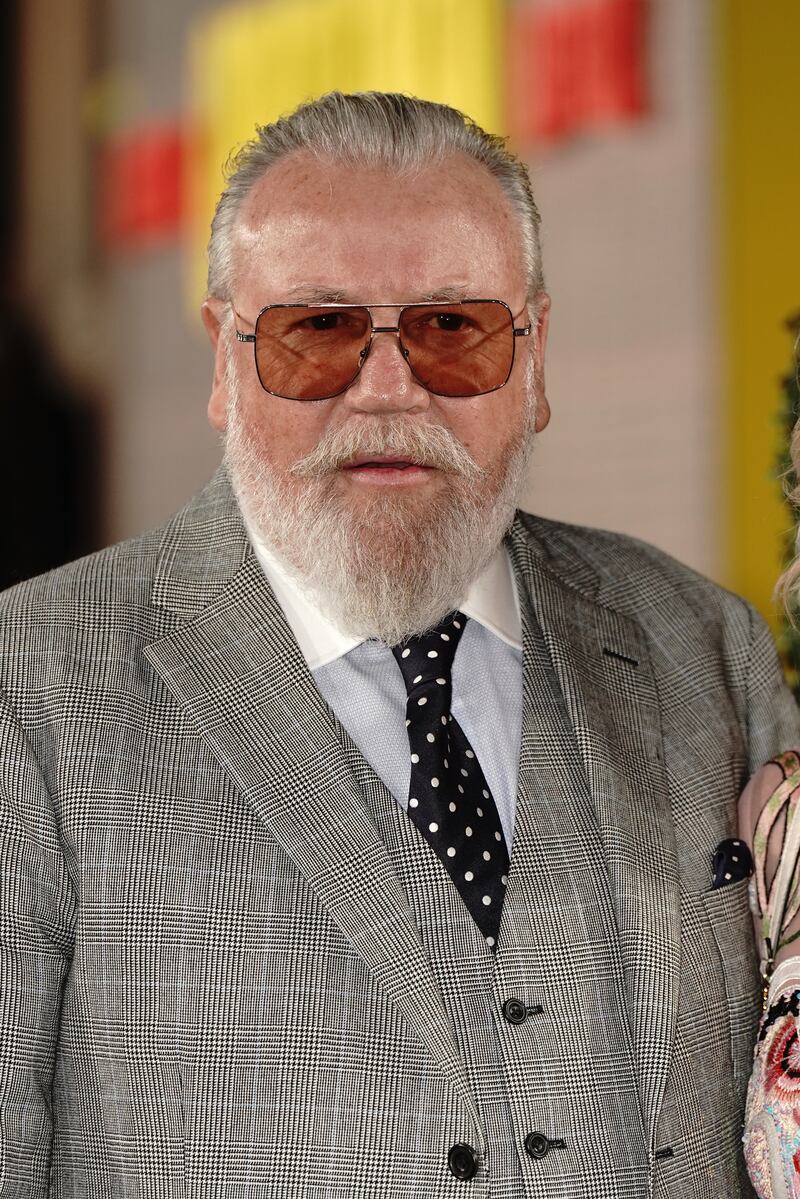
(373, 129)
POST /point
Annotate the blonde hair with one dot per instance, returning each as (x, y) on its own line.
(787, 589)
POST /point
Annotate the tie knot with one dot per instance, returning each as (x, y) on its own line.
(429, 657)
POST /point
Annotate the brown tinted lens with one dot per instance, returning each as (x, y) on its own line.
(459, 349)
(310, 353)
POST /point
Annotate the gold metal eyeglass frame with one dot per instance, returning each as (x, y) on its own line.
(517, 331)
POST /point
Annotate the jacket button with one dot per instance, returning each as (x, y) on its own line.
(537, 1144)
(463, 1162)
(515, 1011)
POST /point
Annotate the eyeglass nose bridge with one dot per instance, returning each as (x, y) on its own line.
(363, 354)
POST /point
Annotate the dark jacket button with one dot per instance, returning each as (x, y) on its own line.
(515, 1011)
(463, 1162)
(537, 1144)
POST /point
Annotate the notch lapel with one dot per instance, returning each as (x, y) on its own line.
(601, 660)
(236, 671)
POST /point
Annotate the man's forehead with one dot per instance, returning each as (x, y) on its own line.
(320, 231)
(302, 193)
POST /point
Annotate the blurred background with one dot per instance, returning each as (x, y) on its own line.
(662, 138)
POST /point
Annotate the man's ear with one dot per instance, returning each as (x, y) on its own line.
(212, 312)
(539, 332)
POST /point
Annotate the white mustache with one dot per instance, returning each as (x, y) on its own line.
(428, 445)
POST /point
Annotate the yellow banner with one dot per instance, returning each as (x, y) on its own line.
(250, 63)
(760, 191)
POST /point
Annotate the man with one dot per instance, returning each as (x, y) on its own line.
(349, 848)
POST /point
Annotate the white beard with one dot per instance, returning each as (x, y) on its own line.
(393, 565)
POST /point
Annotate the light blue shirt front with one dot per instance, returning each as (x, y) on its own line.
(362, 683)
(366, 691)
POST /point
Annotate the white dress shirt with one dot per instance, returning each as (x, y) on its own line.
(362, 684)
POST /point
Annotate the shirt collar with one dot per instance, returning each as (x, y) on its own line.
(491, 600)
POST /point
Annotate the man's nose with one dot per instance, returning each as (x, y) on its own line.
(385, 383)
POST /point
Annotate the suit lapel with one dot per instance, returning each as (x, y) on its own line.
(235, 669)
(601, 661)
(237, 672)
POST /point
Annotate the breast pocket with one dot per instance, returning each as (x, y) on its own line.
(728, 912)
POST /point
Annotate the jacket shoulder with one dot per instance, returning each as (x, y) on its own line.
(194, 543)
(90, 617)
(125, 569)
(633, 576)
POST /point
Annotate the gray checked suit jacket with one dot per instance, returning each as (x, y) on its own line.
(211, 981)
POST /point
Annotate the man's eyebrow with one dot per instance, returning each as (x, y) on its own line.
(444, 295)
(315, 295)
(303, 293)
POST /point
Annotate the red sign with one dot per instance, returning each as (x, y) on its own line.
(574, 67)
(141, 186)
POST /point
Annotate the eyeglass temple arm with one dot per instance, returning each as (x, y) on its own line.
(525, 331)
(245, 336)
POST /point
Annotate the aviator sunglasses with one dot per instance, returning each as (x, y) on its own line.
(315, 351)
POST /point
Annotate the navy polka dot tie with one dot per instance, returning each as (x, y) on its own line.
(449, 799)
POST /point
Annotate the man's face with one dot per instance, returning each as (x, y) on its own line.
(312, 231)
(311, 228)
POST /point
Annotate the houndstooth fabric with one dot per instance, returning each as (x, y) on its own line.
(211, 979)
(569, 1069)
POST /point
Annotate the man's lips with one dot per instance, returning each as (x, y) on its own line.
(385, 468)
(383, 462)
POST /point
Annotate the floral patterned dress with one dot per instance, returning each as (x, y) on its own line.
(769, 820)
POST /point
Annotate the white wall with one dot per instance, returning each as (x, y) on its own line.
(629, 259)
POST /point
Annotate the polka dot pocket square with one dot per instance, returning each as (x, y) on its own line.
(730, 862)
